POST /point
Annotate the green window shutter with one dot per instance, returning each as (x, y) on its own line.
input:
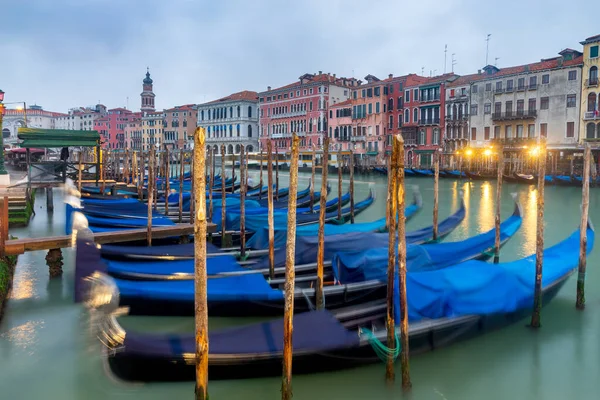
(593, 51)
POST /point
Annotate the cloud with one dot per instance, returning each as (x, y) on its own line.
(65, 53)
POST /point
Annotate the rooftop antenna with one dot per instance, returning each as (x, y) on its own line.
(496, 61)
(445, 56)
(422, 71)
(434, 72)
(487, 47)
(453, 62)
(127, 106)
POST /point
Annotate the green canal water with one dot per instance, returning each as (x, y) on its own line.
(48, 348)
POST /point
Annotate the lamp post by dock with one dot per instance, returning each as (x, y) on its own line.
(4, 177)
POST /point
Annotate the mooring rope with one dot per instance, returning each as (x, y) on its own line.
(382, 351)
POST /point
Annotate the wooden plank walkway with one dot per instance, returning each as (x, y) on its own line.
(20, 246)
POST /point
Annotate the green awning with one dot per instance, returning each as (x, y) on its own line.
(424, 151)
(54, 138)
(372, 153)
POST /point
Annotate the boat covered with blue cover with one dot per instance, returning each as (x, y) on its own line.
(444, 306)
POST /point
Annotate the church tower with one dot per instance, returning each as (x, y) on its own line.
(147, 95)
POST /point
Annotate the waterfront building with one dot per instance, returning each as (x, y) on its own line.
(152, 130)
(340, 125)
(456, 133)
(133, 132)
(179, 125)
(147, 96)
(80, 118)
(517, 105)
(590, 91)
(112, 127)
(231, 121)
(300, 107)
(37, 117)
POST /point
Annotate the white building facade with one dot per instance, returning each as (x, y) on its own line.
(80, 118)
(231, 121)
(36, 116)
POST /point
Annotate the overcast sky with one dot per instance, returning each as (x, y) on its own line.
(66, 53)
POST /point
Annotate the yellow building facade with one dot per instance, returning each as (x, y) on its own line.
(152, 129)
(590, 91)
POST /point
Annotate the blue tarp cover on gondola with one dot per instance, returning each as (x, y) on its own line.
(214, 265)
(480, 288)
(314, 331)
(358, 266)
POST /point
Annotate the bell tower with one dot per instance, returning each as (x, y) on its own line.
(147, 95)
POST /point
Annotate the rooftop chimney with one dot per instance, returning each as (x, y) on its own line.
(390, 76)
(268, 88)
(320, 72)
(333, 76)
(478, 71)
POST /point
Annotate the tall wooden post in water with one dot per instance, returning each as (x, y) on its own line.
(200, 300)
(290, 276)
(181, 174)
(232, 172)
(322, 210)
(276, 173)
(167, 180)
(211, 183)
(260, 183)
(242, 205)
(225, 242)
(312, 179)
(391, 270)
(436, 194)
(79, 172)
(151, 183)
(585, 204)
(270, 209)
(339, 165)
(404, 360)
(539, 240)
(498, 204)
(351, 164)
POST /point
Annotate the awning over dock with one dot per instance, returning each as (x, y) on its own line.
(55, 138)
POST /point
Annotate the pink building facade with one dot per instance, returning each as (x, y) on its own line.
(112, 127)
(340, 126)
(300, 107)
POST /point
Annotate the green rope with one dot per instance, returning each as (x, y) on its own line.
(382, 351)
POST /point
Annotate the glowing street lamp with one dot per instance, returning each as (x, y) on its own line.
(469, 152)
(534, 152)
(487, 152)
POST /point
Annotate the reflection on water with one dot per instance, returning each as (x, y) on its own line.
(24, 336)
(529, 220)
(24, 283)
(486, 215)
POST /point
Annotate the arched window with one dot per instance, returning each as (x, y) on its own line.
(591, 102)
(406, 116)
(238, 111)
(593, 75)
(249, 130)
(415, 115)
(230, 130)
(391, 104)
(422, 136)
(436, 134)
(449, 110)
(237, 148)
(230, 112)
(249, 111)
(230, 149)
(238, 130)
(590, 131)
(249, 149)
(216, 149)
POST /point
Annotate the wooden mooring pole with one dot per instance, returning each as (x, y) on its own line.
(339, 165)
(498, 204)
(312, 180)
(260, 184)
(290, 276)
(181, 174)
(225, 237)
(585, 205)
(322, 210)
(270, 209)
(436, 194)
(79, 172)
(211, 183)
(232, 172)
(400, 198)
(539, 240)
(351, 163)
(193, 196)
(150, 188)
(389, 184)
(391, 270)
(167, 179)
(200, 284)
(276, 173)
(242, 205)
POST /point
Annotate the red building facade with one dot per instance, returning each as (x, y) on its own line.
(300, 107)
(112, 127)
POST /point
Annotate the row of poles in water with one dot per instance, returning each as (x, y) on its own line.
(395, 223)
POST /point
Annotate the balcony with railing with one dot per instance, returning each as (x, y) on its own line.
(428, 99)
(429, 121)
(289, 115)
(357, 138)
(591, 115)
(457, 118)
(514, 143)
(281, 135)
(514, 115)
(591, 82)
(410, 139)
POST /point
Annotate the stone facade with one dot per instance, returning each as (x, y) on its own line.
(589, 129)
(152, 130)
(37, 117)
(80, 118)
(231, 121)
(179, 126)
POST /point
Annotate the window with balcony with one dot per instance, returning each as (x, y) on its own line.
(591, 102)
(497, 107)
(532, 82)
(508, 106)
(520, 107)
(593, 76)
(532, 105)
(521, 84)
(473, 109)
(571, 100)
(510, 85)
(499, 86)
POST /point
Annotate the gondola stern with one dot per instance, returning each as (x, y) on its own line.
(518, 211)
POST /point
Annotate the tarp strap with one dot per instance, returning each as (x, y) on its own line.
(311, 306)
(382, 351)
